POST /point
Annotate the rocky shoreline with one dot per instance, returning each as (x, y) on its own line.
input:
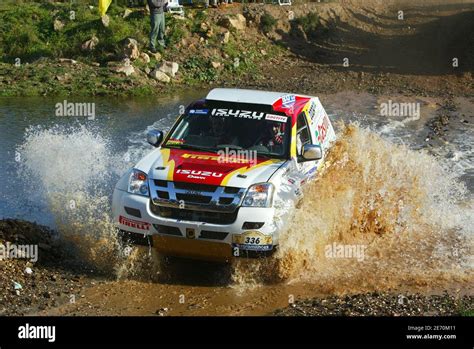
(382, 304)
(29, 286)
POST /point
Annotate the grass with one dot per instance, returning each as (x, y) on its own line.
(267, 22)
(309, 23)
(27, 34)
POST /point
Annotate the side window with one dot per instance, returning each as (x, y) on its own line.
(302, 134)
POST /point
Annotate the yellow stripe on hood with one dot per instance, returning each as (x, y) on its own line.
(165, 155)
(245, 169)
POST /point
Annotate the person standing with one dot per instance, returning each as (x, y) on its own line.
(157, 16)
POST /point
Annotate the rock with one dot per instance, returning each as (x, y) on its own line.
(28, 271)
(145, 58)
(67, 60)
(58, 25)
(105, 20)
(263, 52)
(162, 311)
(156, 55)
(124, 69)
(160, 76)
(237, 22)
(216, 65)
(207, 29)
(65, 77)
(169, 68)
(127, 13)
(225, 37)
(90, 44)
(147, 70)
(130, 48)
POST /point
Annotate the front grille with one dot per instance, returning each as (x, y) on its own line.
(194, 186)
(163, 194)
(164, 229)
(225, 201)
(214, 235)
(196, 196)
(195, 215)
(199, 199)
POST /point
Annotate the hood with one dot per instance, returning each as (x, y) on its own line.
(207, 168)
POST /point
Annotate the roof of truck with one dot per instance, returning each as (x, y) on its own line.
(244, 96)
(287, 103)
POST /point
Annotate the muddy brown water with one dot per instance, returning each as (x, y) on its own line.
(375, 194)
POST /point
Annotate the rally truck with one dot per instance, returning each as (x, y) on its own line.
(223, 182)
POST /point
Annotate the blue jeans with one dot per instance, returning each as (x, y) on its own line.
(157, 29)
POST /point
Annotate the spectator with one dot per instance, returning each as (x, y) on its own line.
(157, 16)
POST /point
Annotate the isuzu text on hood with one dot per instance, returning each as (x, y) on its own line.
(226, 177)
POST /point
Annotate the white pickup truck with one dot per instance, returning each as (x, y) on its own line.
(225, 179)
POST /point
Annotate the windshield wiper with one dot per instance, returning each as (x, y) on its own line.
(230, 146)
(192, 147)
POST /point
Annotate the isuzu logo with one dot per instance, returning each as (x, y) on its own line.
(200, 173)
(246, 114)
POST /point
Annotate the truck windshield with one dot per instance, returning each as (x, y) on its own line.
(268, 134)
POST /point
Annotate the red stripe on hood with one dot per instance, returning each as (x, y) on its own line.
(205, 168)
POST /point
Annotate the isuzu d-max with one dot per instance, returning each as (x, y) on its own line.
(225, 179)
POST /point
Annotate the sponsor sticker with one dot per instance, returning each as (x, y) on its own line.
(134, 224)
(244, 114)
(199, 111)
(288, 101)
(274, 117)
(322, 129)
(253, 241)
(175, 141)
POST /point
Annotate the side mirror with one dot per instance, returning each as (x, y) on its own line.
(312, 152)
(154, 137)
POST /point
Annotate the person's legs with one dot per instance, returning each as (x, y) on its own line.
(154, 30)
(161, 29)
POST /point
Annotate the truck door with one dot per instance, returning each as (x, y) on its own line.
(303, 136)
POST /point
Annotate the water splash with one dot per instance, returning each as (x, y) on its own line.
(73, 169)
(412, 217)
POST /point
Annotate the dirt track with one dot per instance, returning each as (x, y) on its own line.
(412, 56)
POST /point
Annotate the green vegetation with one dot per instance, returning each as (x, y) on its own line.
(309, 23)
(466, 311)
(28, 37)
(267, 22)
(27, 31)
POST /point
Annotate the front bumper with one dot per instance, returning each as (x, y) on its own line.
(192, 239)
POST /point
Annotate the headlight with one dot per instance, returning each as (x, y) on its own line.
(259, 195)
(138, 183)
